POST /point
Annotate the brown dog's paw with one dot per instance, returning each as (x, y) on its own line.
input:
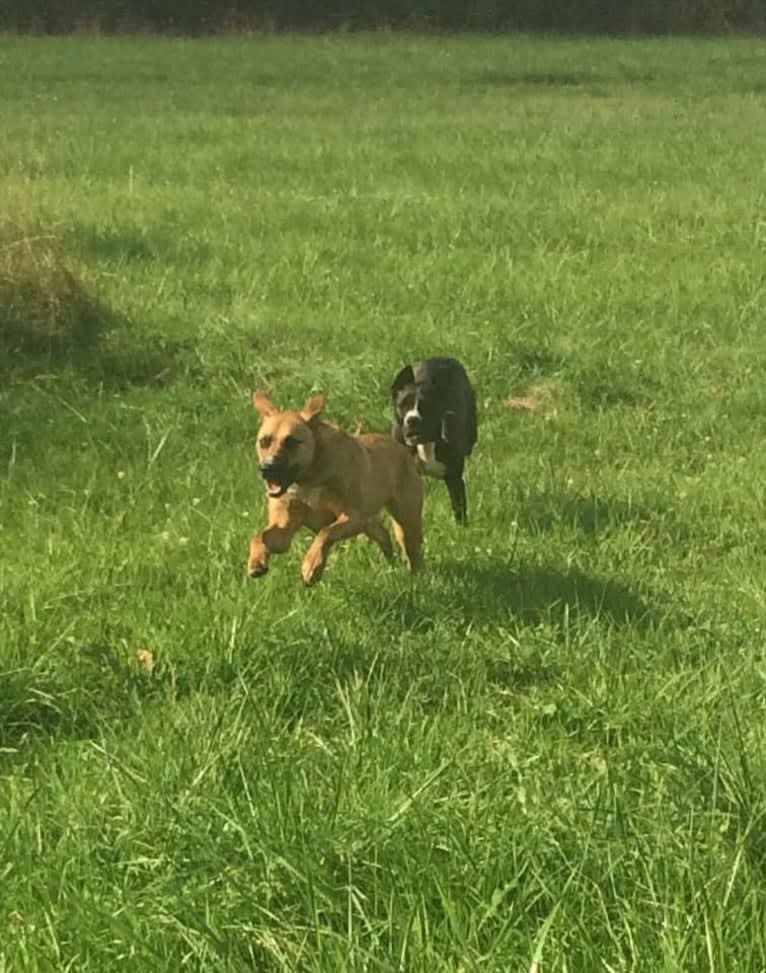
(258, 558)
(257, 563)
(257, 569)
(312, 568)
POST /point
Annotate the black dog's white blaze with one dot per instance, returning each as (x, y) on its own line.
(428, 461)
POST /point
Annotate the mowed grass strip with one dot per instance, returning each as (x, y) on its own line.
(549, 749)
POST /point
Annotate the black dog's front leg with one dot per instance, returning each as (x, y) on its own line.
(456, 487)
(453, 435)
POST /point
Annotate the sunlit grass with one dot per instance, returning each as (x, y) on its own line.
(551, 745)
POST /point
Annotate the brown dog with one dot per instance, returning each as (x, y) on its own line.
(336, 484)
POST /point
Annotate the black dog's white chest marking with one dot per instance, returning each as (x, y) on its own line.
(429, 463)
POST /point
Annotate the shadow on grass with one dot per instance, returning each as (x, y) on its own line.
(116, 364)
(522, 362)
(98, 689)
(540, 79)
(558, 79)
(488, 590)
(50, 320)
(119, 245)
(593, 515)
(410, 641)
(600, 383)
(98, 345)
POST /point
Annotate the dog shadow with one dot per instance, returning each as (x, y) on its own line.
(493, 589)
(457, 595)
(594, 515)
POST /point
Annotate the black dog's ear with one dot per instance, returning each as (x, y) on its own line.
(405, 377)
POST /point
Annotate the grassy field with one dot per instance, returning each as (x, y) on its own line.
(548, 750)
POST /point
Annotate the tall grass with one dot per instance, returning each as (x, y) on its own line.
(548, 751)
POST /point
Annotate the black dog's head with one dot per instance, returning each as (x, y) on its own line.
(419, 405)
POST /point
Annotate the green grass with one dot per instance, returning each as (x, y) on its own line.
(551, 746)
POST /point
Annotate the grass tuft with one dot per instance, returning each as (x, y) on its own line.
(46, 308)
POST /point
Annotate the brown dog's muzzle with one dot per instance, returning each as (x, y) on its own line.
(279, 476)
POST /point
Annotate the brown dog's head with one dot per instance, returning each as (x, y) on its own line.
(285, 444)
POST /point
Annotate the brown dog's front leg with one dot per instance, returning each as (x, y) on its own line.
(274, 538)
(316, 557)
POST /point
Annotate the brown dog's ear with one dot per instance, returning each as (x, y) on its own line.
(264, 405)
(405, 377)
(313, 406)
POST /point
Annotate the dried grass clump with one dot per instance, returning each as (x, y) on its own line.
(45, 306)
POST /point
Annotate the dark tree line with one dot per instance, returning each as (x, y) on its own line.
(210, 16)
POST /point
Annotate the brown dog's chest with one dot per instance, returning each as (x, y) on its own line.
(319, 498)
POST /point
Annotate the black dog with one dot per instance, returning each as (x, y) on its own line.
(435, 410)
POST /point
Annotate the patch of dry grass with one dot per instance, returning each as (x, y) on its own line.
(45, 305)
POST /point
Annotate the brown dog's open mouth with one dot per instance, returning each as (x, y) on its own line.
(275, 489)
(278, 482)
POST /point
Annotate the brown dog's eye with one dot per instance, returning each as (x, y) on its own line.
(264, 442)
(291, 442)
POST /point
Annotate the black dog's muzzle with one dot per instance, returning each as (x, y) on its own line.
(412, 428)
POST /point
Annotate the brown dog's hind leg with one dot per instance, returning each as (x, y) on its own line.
(275, 538)
(407, 516)
(316, 557)
(378, 533)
